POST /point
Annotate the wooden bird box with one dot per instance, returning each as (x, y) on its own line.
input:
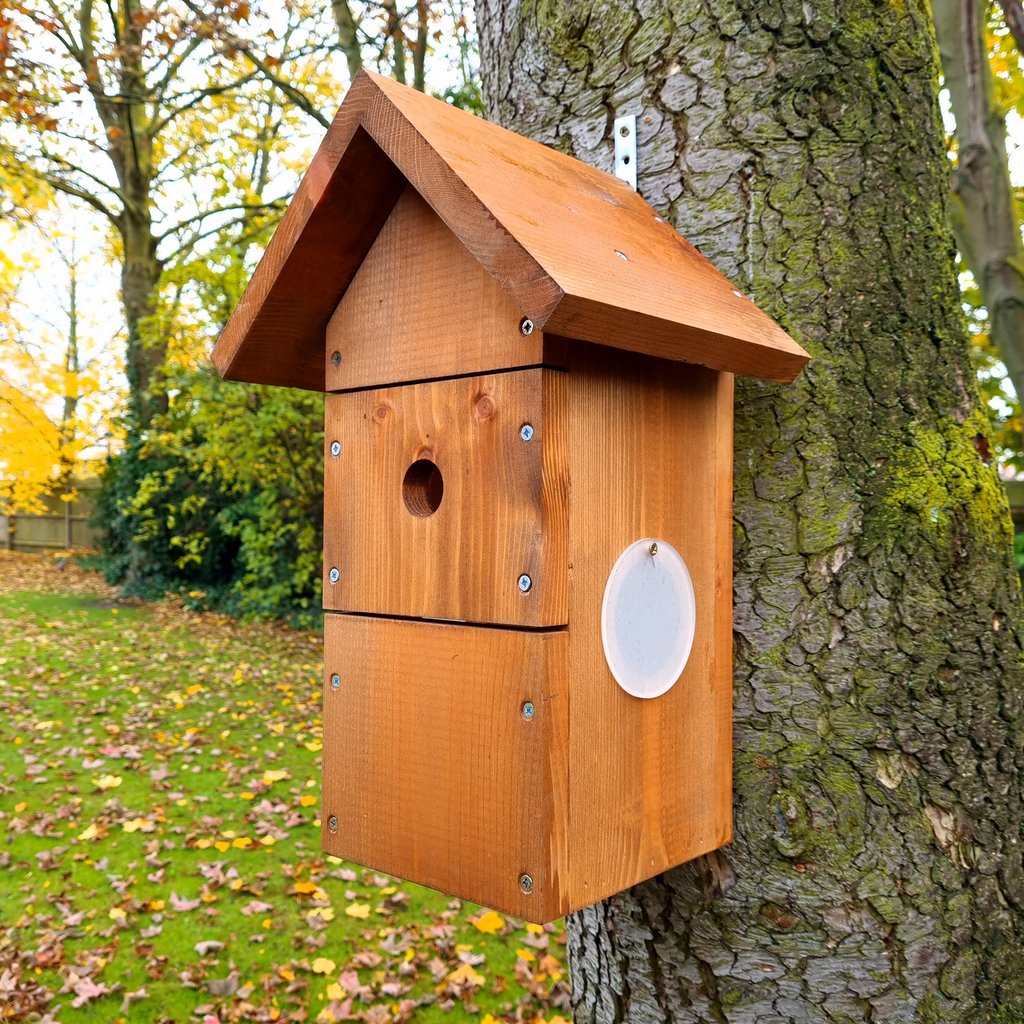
(528, 503)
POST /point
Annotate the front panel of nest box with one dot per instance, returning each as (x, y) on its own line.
(448, 500)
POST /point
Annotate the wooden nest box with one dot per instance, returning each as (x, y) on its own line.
(528, 503)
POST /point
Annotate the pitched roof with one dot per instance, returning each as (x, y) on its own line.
(578, 251)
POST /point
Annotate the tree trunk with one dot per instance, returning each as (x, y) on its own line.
(984, 218)
(876, 869)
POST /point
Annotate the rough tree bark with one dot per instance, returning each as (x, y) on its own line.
(876, 868)
(983, 214)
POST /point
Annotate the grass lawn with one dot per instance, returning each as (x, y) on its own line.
(159, 836)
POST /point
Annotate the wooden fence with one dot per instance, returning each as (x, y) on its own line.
(47, 530)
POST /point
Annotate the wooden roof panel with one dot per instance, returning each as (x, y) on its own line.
(578, 250)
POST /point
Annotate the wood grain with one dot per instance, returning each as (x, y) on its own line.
(431, 769)
(503, 511)
(422, 306)
(573, 247)
(649, 780)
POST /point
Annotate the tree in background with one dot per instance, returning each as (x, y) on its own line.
(981, 68)
(876, 870)
(58, 396)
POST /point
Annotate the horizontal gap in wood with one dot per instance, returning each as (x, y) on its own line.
(452, 622)
(454, 376)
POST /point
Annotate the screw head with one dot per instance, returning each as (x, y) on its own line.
(525, 583)
(336, 358)
(332, 823)
(528, 710)
(624, 131)
(334, 575)
(526, 884)
(526, 326)
(654, 548)
(621, 255)
(335, 681)
(526, 432)
(335, 448)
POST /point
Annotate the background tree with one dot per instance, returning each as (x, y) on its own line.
(58, 392)
(876, 868)
(981, 68)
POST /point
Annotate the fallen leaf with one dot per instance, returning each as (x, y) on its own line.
(323, 966)
(489, 923)
(361, 910)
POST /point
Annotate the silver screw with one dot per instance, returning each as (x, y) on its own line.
(526, 432)
(335, 681)
(528, 710)
(526, 327)
(621, 255)
(654, 548)
(525, 583)
(332, 823)
(335, 575)
(526, 884)
(335, 448)
(624, 131)
(336, 359)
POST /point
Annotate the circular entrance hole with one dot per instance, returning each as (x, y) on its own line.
(423, 488)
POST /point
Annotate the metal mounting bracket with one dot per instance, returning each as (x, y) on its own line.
(625, 149)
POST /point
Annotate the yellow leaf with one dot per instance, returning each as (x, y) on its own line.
(305, 887)
(91, 832)
(235, 884)
(18, 808)
(488, 1019)
(157, 905)
(334, 860)
(535, 928)
(194, 688)
(107, 782)
(237, 677)
(314, 746)
(307, 801)
(325, 1016)
(268, 840)
(116, 914)
(268, 922)
(246, 796)
(225, 733)
(361, 910)
(490, 923)
(335, 991)
(388, 890)
(274, 775)
(134, 825)
(327, 913)
(203, 844)
(321, 965)
(466, 975)
(525, 954)
(223, 847)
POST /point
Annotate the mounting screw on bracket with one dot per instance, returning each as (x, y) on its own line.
(526, 432)
(526, 884)
(335, 681)
(335, 448)
(336, 358)
(625, 149)
(528, 710)
(332, 823)
(654, 547)
(526, 326)
(525, 583)
(334, 575)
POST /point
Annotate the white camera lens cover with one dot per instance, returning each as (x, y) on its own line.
(648, 618)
